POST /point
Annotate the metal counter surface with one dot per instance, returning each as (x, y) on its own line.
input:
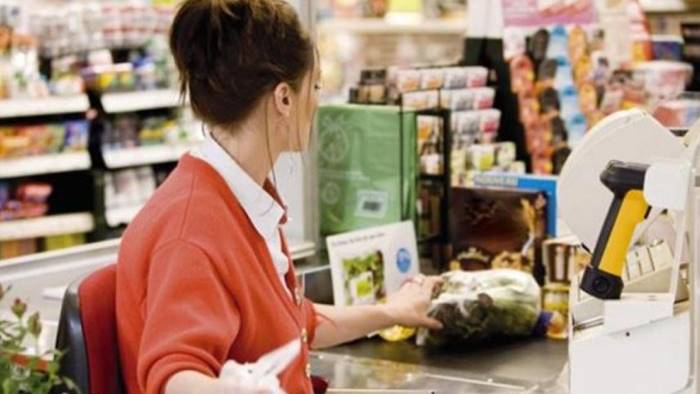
(529, 366)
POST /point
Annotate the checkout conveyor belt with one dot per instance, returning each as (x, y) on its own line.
(376, 366)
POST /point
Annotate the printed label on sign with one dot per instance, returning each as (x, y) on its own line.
(403, 260)
(371, 203)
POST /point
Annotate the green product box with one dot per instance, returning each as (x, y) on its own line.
(367, 166)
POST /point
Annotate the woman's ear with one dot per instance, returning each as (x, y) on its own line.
(283, 99)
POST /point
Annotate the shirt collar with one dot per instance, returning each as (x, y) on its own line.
(263, 205)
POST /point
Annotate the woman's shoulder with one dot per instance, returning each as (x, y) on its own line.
(192, 200)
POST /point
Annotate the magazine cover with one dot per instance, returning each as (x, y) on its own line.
(498, 228)
(366, 265)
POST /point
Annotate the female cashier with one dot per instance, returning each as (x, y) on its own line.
(204, 274)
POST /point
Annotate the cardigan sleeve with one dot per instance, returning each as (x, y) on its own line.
(190, 318)
(312, 319)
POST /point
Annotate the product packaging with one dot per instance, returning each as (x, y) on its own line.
(458, 100)
(498, 228)
(476, 76)
(542, 183)
(406, 80)
(369, 264)
(479, 306)
(367, 166)
(455, 78)
(76, 135)
(481, 157)
(483, 98)
(430, 144)
(432, 78)
(421, 100)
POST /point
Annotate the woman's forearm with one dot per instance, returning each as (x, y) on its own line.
(339, 324)
(188, 382)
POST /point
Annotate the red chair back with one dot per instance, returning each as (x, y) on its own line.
(87, 331)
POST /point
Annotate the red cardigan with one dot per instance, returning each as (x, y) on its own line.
(196, 286)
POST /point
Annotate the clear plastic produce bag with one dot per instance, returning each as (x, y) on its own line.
(475, 306)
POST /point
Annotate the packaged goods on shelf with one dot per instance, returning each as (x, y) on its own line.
(19, 64)
(663, 79)
(39, 139)
(418, 87)
(94, 25)
(25, 200)
(498, 228)
(16, 248)
(566, 86)
(563, 258)
(63, 241)
(430, 144)
(131, 130)
(678, 113)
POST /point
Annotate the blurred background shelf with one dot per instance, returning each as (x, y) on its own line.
(114, 103)
(72, 223)
(144, 155)
(44, 164)
(668, 7)
(16, 108)
(122, 215)
(381, 26)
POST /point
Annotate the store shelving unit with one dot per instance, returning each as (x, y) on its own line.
(664, 6)
(441, 240)
(44, 164)
(115, 103)
(144, 155)
(46, 226)
(19, 108)
(122, 215)
(382, 26)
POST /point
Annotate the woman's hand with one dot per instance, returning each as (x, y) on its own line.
(409, 306)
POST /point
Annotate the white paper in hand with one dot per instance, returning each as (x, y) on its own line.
(261, 376)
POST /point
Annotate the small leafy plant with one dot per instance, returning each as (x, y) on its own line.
(20, 371)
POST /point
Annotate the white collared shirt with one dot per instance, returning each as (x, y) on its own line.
(261, 208)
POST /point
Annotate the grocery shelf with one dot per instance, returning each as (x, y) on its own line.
(44, 164)
(669, 7)
(16, 108)
(381, 26)
(72, 223)
(140, 100)
(144, 155)
(122, 215)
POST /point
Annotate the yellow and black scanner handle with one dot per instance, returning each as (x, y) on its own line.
(603, 277)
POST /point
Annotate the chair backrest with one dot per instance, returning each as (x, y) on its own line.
(87, 331)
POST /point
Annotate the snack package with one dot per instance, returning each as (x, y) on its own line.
(431, 78)
(458, 100)
(407, 80)
(490, 120)
(478, 306)
(455, 78)
(421, 100)
(483, 98)
(476, 76)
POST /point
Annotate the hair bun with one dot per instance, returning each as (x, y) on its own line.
(230, 13)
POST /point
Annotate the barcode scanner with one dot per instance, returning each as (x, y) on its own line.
(603, 277)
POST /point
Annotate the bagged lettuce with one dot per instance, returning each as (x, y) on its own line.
(476, 306)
